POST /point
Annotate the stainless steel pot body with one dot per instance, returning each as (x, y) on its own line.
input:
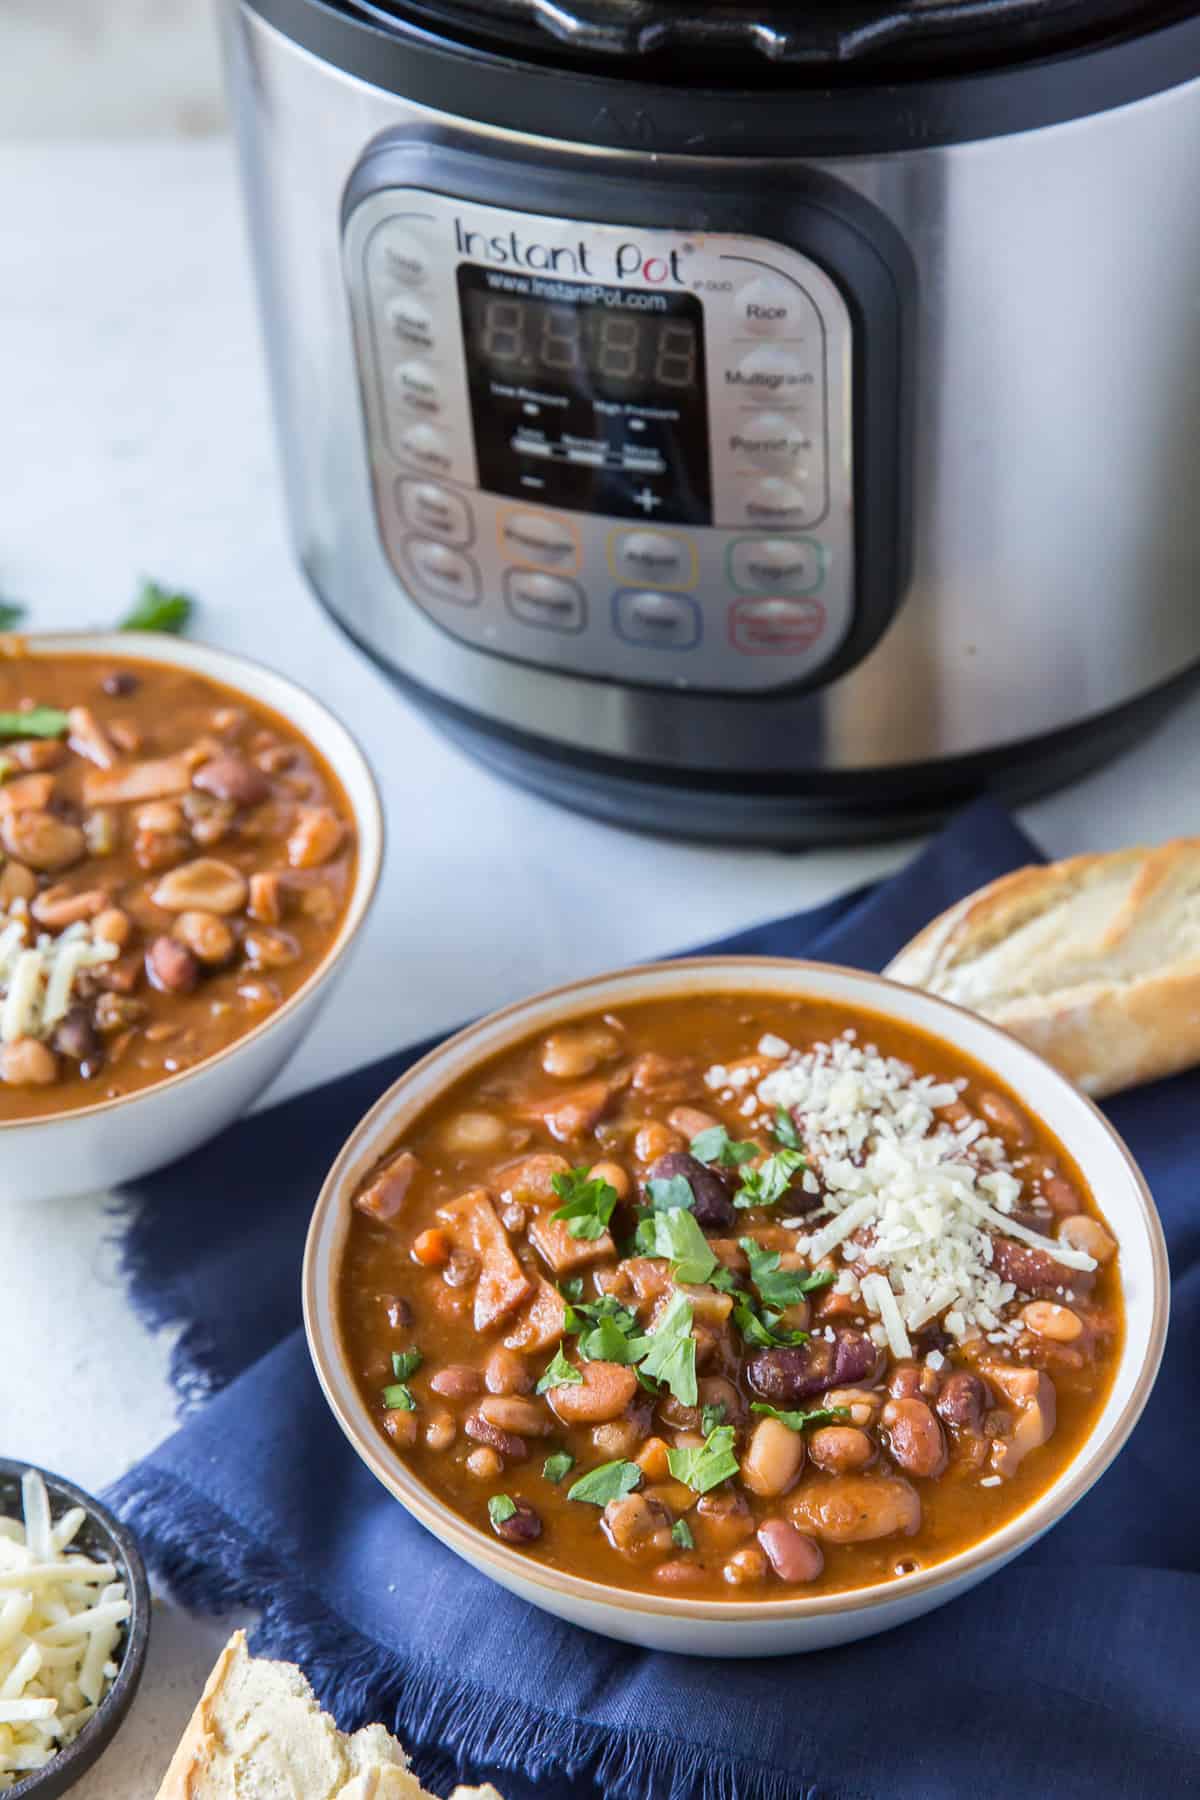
(1055, 530)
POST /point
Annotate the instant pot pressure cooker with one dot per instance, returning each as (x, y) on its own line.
(769, 421)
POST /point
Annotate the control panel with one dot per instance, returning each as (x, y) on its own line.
(618, 451)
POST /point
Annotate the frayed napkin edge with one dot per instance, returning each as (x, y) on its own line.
(212, 1565)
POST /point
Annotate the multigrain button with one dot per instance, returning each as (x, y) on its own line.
(659, 621)
(658, 558)
(782, 565)
(428, 447)
(434, 510)
(769, 307)
(773, 372)
(772, 440)
(410, 321)
(538, 538)
(775, 627)
(777, 502)
(416, 384)
(548, 602)
(445, 572)
(404, 257)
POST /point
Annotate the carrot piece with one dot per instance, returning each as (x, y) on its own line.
(431, 1249)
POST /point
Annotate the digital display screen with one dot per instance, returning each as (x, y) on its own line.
(586, 395)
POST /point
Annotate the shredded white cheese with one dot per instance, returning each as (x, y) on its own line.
(38, 973)
(61, 1616)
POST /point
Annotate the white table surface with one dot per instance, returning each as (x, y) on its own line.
(134, 438)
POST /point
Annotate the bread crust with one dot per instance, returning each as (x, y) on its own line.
(1093, 961)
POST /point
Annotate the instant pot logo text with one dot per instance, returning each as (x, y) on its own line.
(625, 262)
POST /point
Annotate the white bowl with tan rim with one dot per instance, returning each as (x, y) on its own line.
(759, 1627)
(101, 1145)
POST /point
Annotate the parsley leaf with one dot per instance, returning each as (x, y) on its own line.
(500, 1507)
(712, 1416)
(608, 1482)
(702, 1466)
(667, 1193)
(604, 1328)
(398, 1399)
(771, 1180)
(11, 614)
(556, 1466)
(784, 1128)
(781, 1287)
(668, 1354)
(558, 1373)
(406, 1363)
(796, 1421)
(157, 609)
(677, 1236)
(715, 1146)
(572, 1288)
(759, 1329)
(587, 1205)
(681, 1534)
(38, 722)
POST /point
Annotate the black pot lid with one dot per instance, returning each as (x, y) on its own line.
(860, 36)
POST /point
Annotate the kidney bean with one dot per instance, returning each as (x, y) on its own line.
(75, 1036)
(171, 966)
(712, 1207)
(797, 1372)
(1034, 1271)
(963, 1401)
(521, 1527)
(915, 1437)
(525, 1418)
(506, 1442)
(793, 1555)
(458, 1381)
(912, 1381)
(231, 778)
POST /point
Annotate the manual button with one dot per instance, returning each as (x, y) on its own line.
(658, 558)
(790, 565)
(445, 572)
(548, 602)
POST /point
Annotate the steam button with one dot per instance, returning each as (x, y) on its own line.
(428, 447)
(435, 511)
(445, 572)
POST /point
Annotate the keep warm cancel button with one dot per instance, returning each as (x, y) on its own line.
(775, 627)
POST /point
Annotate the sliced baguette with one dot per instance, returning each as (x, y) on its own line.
(1094, 962)
(258, 1734)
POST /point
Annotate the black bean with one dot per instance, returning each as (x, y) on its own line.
(712, 1207)
(799, 1371)
(171, 966)
(119, 684)
(232, 778)
(521, 1527)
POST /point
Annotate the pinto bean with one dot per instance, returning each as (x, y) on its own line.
(206, 935)
(232, 778)
(915, 1437)
(441, 1431)
(794, 1556)
(41, 840)
(112, 926)
(1058, 1323)
(468, 1132)
(618, 1439)
(573, 1053)
(746, 1567)
(786, 1375)
(840, 1448)
(963, 1401)
(712, 1207)
(526, 1418)
(171, 966)
(855, 1509)
(401, 1427)
(604, 1393)
(520, 1527)
(638, 1526)
(269, 949)
(457, 1381)
(773, 1460)
(507, 1443)
(25, 1062)
(205, 884)
(654, 1139)
(485, 1464)
(615, 1176)
(1082, 1232)
(1005, 1118)
(507, 1372)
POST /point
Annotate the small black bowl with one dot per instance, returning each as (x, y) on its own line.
(103, 1538)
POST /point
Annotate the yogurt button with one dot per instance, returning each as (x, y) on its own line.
(793, 565)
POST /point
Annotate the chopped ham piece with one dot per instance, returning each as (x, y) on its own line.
(566, 1115)
(540, 1325)
(503, 1284)
(156, 779)
(528, 1181)
(385, 1194)
(555, 1245)
(1033, 1395)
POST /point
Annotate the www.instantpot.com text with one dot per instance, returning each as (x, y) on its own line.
(577, 293)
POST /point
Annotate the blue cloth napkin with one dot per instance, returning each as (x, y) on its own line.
(1071, 1673)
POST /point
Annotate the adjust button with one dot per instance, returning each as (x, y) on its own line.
(410, 321)
(771, 440)
(538, 538)
(787, 565)
(428, 447)
(661, 621)
(434, 510)
(779, 503)
(661, 558)
(416, 384)
(549, 602)
(445, 572)
(775, 627)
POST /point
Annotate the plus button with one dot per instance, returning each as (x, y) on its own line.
(647, 500)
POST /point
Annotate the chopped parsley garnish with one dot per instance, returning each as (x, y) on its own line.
(716, 1147)
(712, 1416)
(406, 1363)
(669, 1192)
(604, 1328)
(500, 1507)
(668, 1354)
(571, 1289)
(681, 1535)
(783, 1126)
(609, 1482)
(796, 1421)
(558, 1373)
(398, 1399)
(587, 1204)
(771, 1180)
(781, 1287)
(556, 1466)
(759, 1329)
(38, 722)
(702, 1466)
(677, 1236)
(11, 614)
(157, 609)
